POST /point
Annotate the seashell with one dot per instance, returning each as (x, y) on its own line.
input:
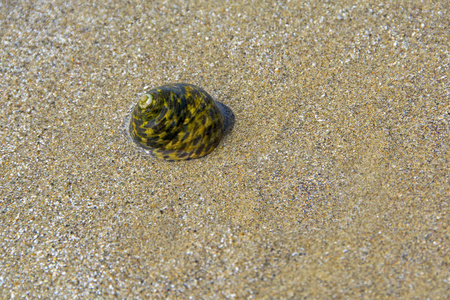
(178, 122)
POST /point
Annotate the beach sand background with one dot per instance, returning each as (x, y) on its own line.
(333, 183)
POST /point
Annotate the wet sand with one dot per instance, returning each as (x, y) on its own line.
(333, 183)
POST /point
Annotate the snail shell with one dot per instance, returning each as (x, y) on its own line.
(177, 122)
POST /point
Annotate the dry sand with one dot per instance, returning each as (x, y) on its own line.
(333, 183)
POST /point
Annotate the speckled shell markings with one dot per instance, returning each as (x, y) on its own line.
(177, 122)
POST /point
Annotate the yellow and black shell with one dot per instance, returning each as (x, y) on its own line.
(177, 122)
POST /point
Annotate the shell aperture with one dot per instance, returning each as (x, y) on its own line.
(177, 122)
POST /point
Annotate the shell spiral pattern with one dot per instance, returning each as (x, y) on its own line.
(177, 122)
